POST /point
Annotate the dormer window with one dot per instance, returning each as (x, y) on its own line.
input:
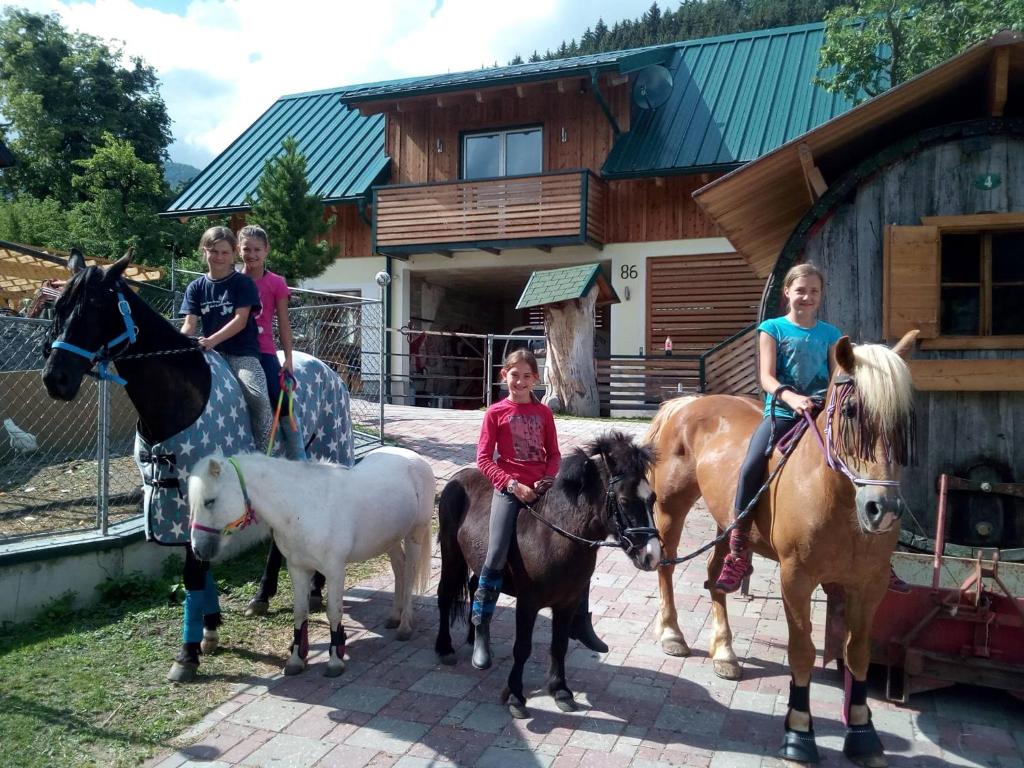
(512, 152)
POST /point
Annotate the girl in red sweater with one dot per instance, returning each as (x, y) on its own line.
(523, 431)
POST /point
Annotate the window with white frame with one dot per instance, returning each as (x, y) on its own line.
(511, 152)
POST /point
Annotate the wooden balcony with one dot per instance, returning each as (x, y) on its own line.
(540, 211)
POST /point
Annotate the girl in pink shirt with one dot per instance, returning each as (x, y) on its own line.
(523, 431)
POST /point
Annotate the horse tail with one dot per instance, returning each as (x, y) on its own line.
(451, 512)
(421, 533)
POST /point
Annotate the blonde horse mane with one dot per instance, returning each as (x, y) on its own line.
(886, 394)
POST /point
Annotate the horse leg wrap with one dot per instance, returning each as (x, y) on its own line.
(300, 640)
(211, 600)
(192, 628)
(856, 694)
(799, 697)
(338, 641)
(486, 596)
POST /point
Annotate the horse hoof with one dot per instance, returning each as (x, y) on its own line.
(727, 670)
(565, 702)
(334, 670)
(256, 608)
(863, 747)
(294, 667)
(391, 623)
(675, 648)
(404, 634)
(210, 643)
(517, 708)
(448, 659)
(316, 602)
(800, 747)
(183, 672)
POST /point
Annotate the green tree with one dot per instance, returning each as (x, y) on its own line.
(59, 93)
(872, 45)
(34, 222)
(120, 196)
(293, 218)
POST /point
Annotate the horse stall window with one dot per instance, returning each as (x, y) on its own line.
(982, 284)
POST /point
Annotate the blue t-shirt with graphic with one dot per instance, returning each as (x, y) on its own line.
(801, 358)
(214, 302)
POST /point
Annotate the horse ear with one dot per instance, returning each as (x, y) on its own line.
(905, 346)
(115, 270)
(843, 354)
(76, 262)
(214, 468)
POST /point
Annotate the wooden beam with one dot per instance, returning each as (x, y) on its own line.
(816, 185)
(495, 251)
(998, 81)
(1004, 375)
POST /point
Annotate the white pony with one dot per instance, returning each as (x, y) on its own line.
(323, 516)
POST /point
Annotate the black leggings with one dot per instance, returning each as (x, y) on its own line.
(504, 509)
(754, 466)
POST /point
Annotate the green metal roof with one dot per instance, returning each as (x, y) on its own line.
(344, 154)
(612, 61)
(734, 98)
(551, 286)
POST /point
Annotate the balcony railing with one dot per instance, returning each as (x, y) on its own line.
(539, 211)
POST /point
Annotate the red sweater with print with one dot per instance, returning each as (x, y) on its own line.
(527, 443)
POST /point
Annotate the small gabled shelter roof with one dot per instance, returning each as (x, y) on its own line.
(759, 205)
(552, 286)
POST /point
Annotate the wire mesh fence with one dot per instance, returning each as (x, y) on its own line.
(69, 467)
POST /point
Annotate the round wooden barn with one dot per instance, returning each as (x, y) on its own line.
(913, 205)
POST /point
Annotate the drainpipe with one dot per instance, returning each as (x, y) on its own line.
(383, 279)
(604, 104)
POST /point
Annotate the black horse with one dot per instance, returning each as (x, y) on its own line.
(600, 492)
(165, 375)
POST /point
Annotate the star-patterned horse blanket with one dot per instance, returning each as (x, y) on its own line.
(321, 410)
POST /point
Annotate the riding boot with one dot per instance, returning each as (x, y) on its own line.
(582, 628)
(737, 565)
(484, 600)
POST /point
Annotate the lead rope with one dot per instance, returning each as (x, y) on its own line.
(287, 382)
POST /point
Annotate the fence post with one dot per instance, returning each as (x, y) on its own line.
(489, 369)
(383, 279)
(102, 455)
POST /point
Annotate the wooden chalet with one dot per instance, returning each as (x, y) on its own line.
(462, 185)
(913, 204)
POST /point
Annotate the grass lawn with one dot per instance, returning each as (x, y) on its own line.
(87, 688)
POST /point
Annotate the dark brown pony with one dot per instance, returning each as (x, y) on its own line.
(830, 517)
(600, 492)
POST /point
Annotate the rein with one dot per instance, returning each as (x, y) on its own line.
(244, 520)
(104, 356)
(611, 503)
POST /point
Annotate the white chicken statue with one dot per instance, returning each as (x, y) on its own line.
(21, 441)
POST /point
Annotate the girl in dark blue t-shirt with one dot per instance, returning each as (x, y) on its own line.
(221, 304)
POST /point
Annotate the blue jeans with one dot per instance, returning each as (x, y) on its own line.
(293, 446)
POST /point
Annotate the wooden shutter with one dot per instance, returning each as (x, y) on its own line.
(912, 272)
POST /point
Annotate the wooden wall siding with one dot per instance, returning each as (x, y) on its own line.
(699, 301)
(413, 133)
(492, 210)
(644, 383)
(955, 429)
(350, 233)
(644, 210)
(732, 370)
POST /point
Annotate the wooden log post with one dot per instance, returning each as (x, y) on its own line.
(569, 369)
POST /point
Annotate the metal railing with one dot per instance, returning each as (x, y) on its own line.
(68, 467)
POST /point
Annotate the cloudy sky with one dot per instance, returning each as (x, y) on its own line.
(223, 63)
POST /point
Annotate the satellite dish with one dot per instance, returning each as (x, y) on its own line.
(652, 87)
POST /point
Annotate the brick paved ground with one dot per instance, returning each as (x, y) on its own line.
(396, 706)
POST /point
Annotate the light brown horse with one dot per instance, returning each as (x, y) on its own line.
(830, 516)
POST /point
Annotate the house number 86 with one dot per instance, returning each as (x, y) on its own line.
(628, 272)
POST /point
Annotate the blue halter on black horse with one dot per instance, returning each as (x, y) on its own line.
(600, 498)
(189, 403)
